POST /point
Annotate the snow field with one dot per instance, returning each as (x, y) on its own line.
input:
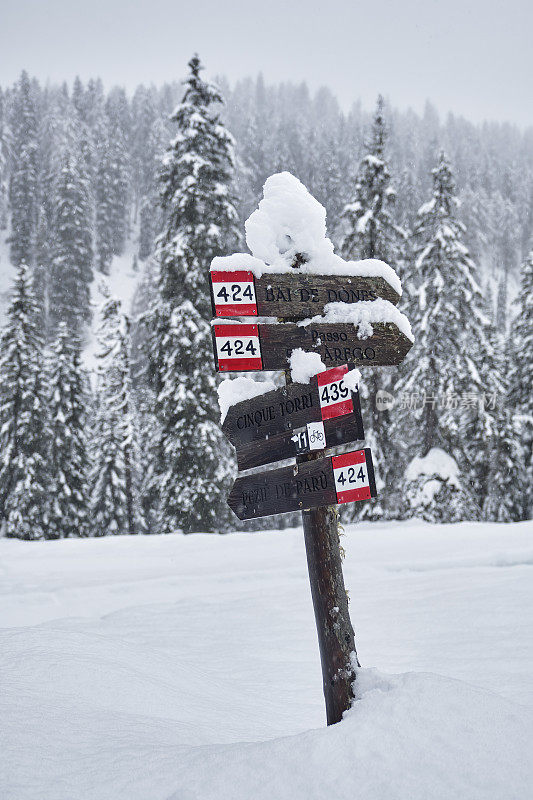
(187, 667)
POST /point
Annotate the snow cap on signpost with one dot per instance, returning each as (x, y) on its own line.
(288, 221)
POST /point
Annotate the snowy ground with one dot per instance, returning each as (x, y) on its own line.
(152, 668)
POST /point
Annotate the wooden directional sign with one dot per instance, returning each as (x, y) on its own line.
(245, 347)
(327, 481)
(290, 295)
(295, 419)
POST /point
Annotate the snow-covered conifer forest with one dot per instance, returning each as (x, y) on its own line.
(139, 663)
(112, 207)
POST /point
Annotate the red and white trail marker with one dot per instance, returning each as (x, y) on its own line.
(335, 398)
(237, 347)
(353, 474)
(234, 294)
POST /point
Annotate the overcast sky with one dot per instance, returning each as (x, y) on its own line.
(472, 57)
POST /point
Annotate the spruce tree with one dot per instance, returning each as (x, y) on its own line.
(71, 271)
(196, 478)
(117, 164)
(24, 183)
(142, 156)
(452, 352)
(5, 138)
(150, 222)
(520, 395)
(371, 232)
(199, 223)
(68, 455)
(103, 202)
(147, 225)
(23, 418)
(505, 474)
(114, 481)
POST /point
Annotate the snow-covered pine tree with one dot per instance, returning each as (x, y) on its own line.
(117, 165)
(452, 353)
(150, 222)
(520, 395)
(68, 459)
(142, 158)
(24, 182)
(196, 479)
(23, 417)
(103, 200)
(147, 225)
(371, 232)
(200, 223)
(114, 494)
(5, 138)
(71, 271)
(370, 228)
(505, 474)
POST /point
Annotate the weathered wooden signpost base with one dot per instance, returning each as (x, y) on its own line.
(334, 628)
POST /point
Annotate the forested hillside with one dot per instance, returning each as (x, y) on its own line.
(162, 181)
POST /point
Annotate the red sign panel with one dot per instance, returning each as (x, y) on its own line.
(335, 398)
(352, 476)
(238, 347)
(234, 294)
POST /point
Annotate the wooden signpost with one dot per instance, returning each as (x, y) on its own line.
(326, 481)
(295, 419)
(297, 295)
(301, 421)
(244, 347)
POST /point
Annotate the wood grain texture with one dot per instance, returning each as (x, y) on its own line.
(336, 343)
(299, 295)
(295, 295)
(339, 430)
(272, 413)
(277, 491)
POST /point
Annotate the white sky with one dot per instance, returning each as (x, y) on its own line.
(472, 57)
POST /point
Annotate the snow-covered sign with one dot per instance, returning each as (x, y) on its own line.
(291, 295)
(243, 347)
(294, 419)
(330, 313)
(324, 482)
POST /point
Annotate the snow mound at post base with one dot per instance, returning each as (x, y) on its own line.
(110, 724)
(409, 737)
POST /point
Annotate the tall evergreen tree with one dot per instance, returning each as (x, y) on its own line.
(71, 271)
(114, 480)
(196, 476)
(371, 232)
(150, 222)
(5, 138)
(103, 201)
(200, 223)
(505, 474)
(520, 395)
(117, 164)
(68, 455)
(24, 183)
(142, 156)
(452, 351)
(23, 419)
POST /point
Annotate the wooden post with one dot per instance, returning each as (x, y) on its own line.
(336, 639)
